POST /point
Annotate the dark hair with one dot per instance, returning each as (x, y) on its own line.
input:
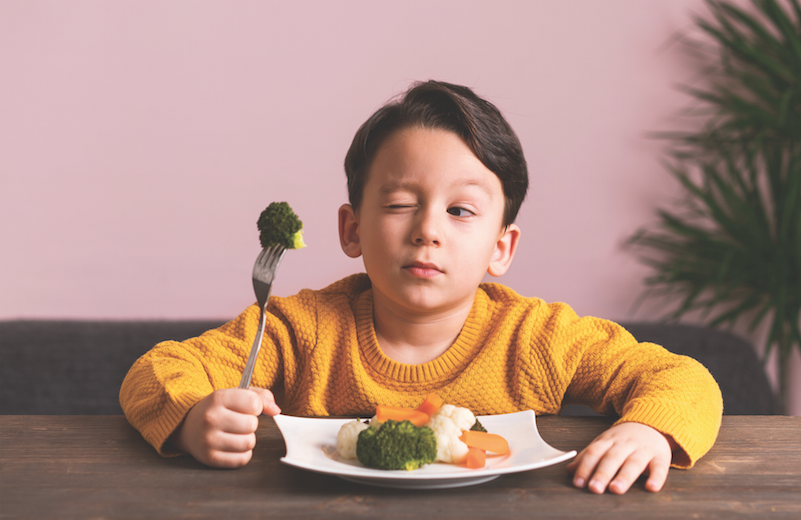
(444, 106)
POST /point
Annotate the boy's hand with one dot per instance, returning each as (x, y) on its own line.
(619, 456)
(220, 429)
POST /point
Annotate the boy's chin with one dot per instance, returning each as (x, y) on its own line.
(427, 302)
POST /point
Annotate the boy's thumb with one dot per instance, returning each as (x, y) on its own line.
(268, 401)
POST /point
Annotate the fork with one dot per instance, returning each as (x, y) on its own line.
(263, 276)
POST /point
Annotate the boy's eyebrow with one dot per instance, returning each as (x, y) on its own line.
(480, 184)
(390, 187)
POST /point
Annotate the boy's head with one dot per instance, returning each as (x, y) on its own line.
(443, 106)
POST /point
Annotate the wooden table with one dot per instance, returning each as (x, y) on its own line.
(100, 467)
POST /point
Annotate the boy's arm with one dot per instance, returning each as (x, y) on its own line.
(598, 363)
(644, 383)
(164, 384)
(220, 430)
(670, 407)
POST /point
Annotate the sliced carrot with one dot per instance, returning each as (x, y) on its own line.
(485, 441)
(431, 404)
(384, 413)
(476, 458)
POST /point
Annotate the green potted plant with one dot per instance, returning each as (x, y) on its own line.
(732, 248)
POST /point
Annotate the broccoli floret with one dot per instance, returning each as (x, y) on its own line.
(478, 427)
(396, 445)
(278, 225)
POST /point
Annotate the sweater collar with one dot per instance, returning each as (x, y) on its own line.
(442, 369)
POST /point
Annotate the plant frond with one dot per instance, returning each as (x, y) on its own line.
(731, 250)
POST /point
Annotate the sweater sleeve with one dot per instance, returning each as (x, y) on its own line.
(165, 383)
(611, 372)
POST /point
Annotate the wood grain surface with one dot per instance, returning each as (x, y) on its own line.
(100, 467)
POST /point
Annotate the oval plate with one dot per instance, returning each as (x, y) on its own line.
(311, 444)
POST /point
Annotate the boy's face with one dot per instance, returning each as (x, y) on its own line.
(430, 223)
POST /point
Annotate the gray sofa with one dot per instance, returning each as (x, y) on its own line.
(76, 367)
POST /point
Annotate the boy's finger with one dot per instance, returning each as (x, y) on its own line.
(658, 475)
(238, 422)
(268, 401)
(227, 459)
(632, 468)
(584, 464)
(242, 401)
(607, 468)
(232, 442)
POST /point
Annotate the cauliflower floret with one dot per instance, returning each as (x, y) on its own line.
(348, 436)
(448, 423)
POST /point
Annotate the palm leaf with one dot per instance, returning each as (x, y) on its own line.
(732, 250)
(784, 24)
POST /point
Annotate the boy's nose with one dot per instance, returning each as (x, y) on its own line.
(426, 230)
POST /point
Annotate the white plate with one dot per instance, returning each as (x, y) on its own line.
(311, 444)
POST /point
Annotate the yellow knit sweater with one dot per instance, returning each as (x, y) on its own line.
(320, 356)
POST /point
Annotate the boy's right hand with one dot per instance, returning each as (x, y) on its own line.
(220, 430)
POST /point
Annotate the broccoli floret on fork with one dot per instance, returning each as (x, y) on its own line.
(278, 225)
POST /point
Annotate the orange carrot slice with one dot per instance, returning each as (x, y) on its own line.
(485, 441)
(476, 458)
(430, 405)
(384, 413)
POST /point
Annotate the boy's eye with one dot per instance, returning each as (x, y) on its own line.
(459, 212)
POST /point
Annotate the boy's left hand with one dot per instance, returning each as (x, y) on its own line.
(617, 457)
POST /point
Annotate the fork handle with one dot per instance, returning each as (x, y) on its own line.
(247, 374)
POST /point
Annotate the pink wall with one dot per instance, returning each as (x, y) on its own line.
(139, 140)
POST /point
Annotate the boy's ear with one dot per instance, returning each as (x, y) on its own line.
(349, 231)
(505, 249)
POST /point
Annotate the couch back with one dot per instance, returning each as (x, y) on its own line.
(77, 367)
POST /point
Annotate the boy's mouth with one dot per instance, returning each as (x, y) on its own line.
(423, 269)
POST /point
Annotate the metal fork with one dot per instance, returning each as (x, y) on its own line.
(263, 276)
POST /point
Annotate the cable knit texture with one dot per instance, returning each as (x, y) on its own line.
(320, 356)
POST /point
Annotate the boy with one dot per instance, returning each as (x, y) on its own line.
(435, 181)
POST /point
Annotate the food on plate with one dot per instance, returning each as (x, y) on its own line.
(408, 438)
(448, 424)
(478, 427)
(396, 445)
(485, 441)
(476, 458)
(278, 225)
(385, 413)
(430, 404)
(348, 436)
